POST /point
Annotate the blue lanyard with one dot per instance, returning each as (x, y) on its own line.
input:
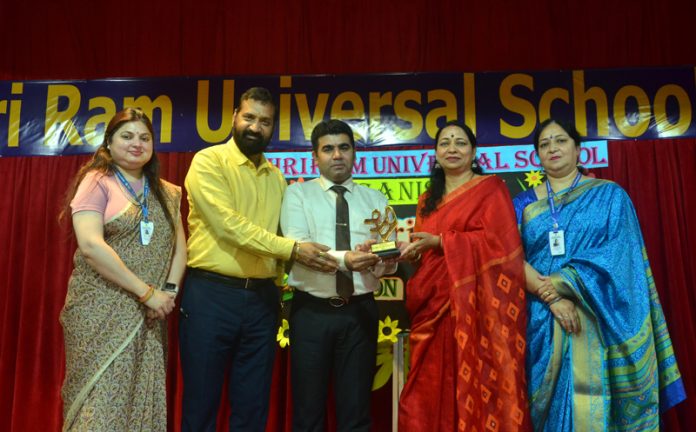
(552, 207)
(129, 188)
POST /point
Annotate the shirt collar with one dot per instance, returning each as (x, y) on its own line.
(240, 158)
(326, 183)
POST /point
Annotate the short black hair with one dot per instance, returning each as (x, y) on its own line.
(331, 127)
(260, 94)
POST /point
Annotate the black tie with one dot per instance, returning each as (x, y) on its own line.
(344, 283)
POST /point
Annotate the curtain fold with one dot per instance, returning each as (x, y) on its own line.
(75, 39)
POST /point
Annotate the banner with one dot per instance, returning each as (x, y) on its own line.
(417, 163)
(503, 108)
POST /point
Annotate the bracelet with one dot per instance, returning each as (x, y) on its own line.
(556, 300)
(148, 295)
(441, 242)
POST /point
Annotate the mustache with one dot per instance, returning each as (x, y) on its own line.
(250, 133)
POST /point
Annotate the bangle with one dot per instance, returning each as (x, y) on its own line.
(441, 242)
(148, 295)
(295, 251)
(556, 300)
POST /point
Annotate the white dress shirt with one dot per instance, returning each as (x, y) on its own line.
(309, 214)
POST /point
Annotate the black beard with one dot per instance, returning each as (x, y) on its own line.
(250, 147)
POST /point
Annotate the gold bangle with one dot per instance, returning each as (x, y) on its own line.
(295, 251)
(148, 295)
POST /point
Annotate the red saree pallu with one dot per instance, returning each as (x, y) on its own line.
(468, 313)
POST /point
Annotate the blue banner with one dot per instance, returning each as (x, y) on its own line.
(503, 108)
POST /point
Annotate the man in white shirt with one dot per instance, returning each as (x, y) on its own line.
(334, 317)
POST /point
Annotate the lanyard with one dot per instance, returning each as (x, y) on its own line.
(555, 212)
(129, 188)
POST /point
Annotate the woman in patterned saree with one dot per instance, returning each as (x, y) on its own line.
(131, 247)
(599, 356)
(466, 300)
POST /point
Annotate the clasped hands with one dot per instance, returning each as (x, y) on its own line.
(160, 305)
(563, 310)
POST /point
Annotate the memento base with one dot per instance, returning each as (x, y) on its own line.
(386, 249)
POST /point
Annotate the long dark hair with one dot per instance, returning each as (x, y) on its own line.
(436, 189)
(102, 162)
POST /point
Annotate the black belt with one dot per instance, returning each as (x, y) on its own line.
(235, 282)
(335, 301)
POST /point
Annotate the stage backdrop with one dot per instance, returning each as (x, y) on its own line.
(77, 40)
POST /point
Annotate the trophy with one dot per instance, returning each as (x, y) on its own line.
(384, 227)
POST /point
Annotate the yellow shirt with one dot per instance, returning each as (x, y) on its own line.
(234, 212)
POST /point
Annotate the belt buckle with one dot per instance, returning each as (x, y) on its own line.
(337, 301)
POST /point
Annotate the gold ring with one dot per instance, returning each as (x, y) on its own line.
(546, 293)
(321, 254)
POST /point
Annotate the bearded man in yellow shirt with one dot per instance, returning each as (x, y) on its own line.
(229, 306)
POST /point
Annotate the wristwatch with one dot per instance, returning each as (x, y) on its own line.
(170, 287)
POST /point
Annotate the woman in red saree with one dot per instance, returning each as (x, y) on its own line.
(466, 300)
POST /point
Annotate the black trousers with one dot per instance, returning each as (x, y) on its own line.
(227, 324)
(338, 343)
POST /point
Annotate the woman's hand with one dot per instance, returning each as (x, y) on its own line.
(420, 242)
(161, 304)
(566, 315)
(544, 289)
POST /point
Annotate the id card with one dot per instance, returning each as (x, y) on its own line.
(557, 243)
(146, 229)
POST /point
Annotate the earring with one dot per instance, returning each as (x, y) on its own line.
(436, 165)
(474, 164)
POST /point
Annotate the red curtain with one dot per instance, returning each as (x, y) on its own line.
(76, 39)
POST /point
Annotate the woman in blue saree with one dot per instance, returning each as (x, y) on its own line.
(599, 356)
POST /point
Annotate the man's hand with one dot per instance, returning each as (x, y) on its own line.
(359, 261)
(314, 256)
(366, 246)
